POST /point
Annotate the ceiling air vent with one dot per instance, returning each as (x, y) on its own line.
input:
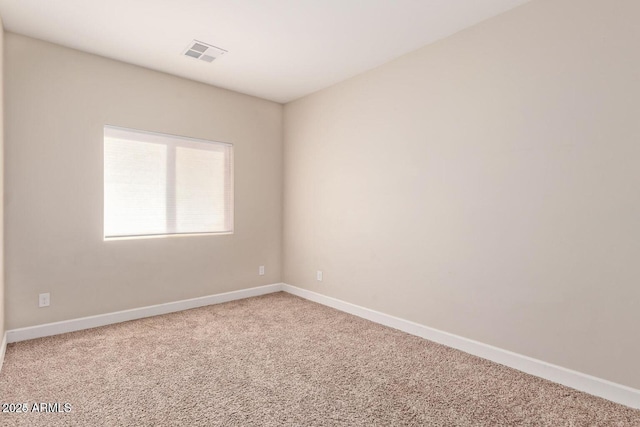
(203, 51)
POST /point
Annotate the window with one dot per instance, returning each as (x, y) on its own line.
(156, 184)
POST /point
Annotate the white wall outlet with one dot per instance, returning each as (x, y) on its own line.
(44, 300)
(319, 275)
(261, 270)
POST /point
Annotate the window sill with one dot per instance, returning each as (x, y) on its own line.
(164, 236)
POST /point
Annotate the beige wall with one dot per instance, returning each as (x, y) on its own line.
(487, 185)
(57, 101)
(2, 304)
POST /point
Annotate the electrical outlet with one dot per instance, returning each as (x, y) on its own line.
(44, 300)
(261, 270)
(319, 275)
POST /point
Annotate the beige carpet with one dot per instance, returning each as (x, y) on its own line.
(277, 360)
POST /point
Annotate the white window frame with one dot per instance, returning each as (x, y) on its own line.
(171, 142)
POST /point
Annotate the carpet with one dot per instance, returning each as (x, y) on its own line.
(276, 360)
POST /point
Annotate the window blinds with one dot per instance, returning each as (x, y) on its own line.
(157, 184)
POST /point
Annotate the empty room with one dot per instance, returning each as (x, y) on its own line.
(306, 212)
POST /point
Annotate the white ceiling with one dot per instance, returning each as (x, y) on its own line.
(278, 49)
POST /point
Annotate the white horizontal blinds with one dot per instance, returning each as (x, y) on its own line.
(135, 188)
(163, 184)
(201, 195)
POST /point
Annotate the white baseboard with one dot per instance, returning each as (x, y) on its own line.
(596, 386)
(3, 349)
(72, 325)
